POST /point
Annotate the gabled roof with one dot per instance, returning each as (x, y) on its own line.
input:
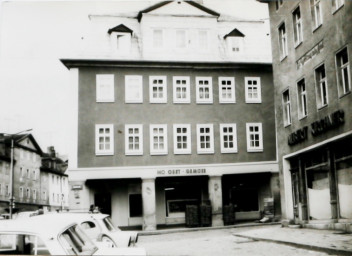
(158, 5)
(235, 33)
(20, 137)
(120, 28)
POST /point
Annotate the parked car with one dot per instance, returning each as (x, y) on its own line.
(99, 226)
(52, 234)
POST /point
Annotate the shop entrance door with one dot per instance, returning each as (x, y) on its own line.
(295, 193)
(103, 201)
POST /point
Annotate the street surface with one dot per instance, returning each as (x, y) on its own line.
(216, 242)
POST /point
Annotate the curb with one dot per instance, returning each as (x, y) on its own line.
(180, 230)
(300, 245)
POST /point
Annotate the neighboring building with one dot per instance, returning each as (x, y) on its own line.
(37, 176)
(175, 107)
(26, 176)
(312, 51)
(55, 188)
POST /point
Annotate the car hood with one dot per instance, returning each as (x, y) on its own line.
(121, 251)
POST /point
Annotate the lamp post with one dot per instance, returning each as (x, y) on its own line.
(12, 198)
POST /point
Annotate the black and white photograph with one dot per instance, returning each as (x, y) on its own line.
(176, 128)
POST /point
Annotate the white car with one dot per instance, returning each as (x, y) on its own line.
(52, 234)
(99, 227)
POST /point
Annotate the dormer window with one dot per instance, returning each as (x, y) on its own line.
(120, 37)
(235, 41)
(157, 38)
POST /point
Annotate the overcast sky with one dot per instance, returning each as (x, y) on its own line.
(34, 35)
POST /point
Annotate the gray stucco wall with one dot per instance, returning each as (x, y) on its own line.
(119, 113)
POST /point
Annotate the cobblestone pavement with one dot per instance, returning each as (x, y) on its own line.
(217, 242)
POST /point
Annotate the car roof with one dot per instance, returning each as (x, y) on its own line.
(84, 216)
(47, 225)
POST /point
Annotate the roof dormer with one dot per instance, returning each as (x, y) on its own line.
(120, 39)
(235, 41)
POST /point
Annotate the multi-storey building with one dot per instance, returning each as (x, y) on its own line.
(26, 172)
(54, 187)
(312, 45)
(175, 107)
(39, 179)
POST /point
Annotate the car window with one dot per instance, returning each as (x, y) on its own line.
(22, 244)
(76, 242)
(87, 225)
(108, 224)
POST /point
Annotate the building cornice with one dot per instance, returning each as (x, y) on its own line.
(75, 63)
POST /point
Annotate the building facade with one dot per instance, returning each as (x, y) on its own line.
(311, 42)
(54, 180)
(35, 176)
(26, 173)
(175, 108)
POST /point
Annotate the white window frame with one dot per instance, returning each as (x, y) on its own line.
(137, 86)
(187, 98)
(158, 151)
(302, 99)
(231, 99)
(297, 26)
(343, 89)
(138, 135)
(203, 86)
(228, 133)
(203, 40)
(321, 84)
(34, 194)
(188, 149)
(337, 4)
(184, 43)
(209, 150)
(34, 175)
(7, 190)
(28, 174)
(28, 193)
(105, 89)
(44, 197)
(258, 85)
(21, 192)
(121, 42)
(104, 151)
(282, 41)
(259, 133)
(155, 43)
(286, 108)
(163, 85)
(317, 13)
(235, 44)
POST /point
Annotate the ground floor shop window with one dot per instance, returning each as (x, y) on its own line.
(318, 195)
(136, 206)
(344, 180)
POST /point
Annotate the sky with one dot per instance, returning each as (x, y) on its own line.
(35, 35)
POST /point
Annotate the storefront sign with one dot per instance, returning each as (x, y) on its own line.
(310, 55)
(318, 127)
(181, 171)
(327, 123)
(77, 187)
(298, 136)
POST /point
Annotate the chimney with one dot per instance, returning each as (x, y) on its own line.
(51, 151)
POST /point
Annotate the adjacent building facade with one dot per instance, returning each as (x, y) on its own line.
(175, 107)
(312, 45)
(31, 176)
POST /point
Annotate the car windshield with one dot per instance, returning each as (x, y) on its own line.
(108, 224)
(76, 242)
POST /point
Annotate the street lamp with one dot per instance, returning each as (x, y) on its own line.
(12, 198)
